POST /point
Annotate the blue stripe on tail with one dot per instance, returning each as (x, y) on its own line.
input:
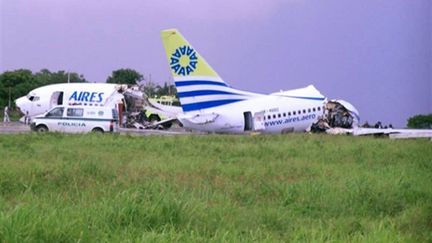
(205, 92)
(305, 98)
(207, 104)
(199, 82)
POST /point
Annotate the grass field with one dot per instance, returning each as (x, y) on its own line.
(297, 187)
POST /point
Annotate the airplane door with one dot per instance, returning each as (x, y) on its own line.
(258, 121)
(248, 121)
(56, 98)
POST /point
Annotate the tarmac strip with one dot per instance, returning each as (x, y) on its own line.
(18, 127)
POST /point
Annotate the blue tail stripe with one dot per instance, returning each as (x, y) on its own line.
(306, 98)
(204, 92)
(207, 104)
(199, 82)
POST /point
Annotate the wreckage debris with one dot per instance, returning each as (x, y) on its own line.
(335, 115)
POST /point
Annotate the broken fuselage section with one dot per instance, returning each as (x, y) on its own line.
(338, 114)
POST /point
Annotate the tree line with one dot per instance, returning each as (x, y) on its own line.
(132, 77)
(420, 121)
(17, 83)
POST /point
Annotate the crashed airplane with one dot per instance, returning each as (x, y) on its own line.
(128, 101)
(44, 98)
(209, 104)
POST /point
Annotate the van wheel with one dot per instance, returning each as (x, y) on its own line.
(97, 130)
(41, 128)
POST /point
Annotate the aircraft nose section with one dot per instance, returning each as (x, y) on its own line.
(23, 104)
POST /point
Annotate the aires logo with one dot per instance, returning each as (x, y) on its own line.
(86, 96)
(184, 60)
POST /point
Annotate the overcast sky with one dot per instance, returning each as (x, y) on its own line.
(376, 54)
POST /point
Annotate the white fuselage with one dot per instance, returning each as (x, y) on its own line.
(44, 98)
(268, 114)
(212, 105)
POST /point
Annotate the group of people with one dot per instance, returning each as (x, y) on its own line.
(377, 125)
(6, 116)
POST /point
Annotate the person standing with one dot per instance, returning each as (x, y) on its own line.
(27, 118)
(6, 115)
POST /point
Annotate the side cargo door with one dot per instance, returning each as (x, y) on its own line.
(258, 121)
(73, 116)
(255, 122)
(248, 121)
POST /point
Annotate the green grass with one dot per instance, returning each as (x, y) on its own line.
(297, 187)
(14, 115)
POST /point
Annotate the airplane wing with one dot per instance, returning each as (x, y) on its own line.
(161, 123)
(169, 111)
(393, 133)
(201, 119)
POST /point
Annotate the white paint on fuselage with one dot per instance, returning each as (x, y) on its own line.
(91, 94)
(276, 109)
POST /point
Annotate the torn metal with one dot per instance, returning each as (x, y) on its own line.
(338, 115)
(134, 116)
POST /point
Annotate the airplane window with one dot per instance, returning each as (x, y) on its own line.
(319, 108)
(294, 112)
(57, 112)
(289, 113)
(309, 110)
(299, 112)
(279, 115)
(268, 117)
(304, 111)
(314, 109)
(32, 97)
(284, 114)
(274, 116)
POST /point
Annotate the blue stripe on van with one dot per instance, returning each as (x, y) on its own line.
(74, 119)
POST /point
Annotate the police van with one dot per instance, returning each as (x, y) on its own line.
(77, 119)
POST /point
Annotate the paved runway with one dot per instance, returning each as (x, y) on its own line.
(13, 127)
(18, 127)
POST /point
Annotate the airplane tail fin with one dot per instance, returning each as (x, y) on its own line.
(198, 85)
